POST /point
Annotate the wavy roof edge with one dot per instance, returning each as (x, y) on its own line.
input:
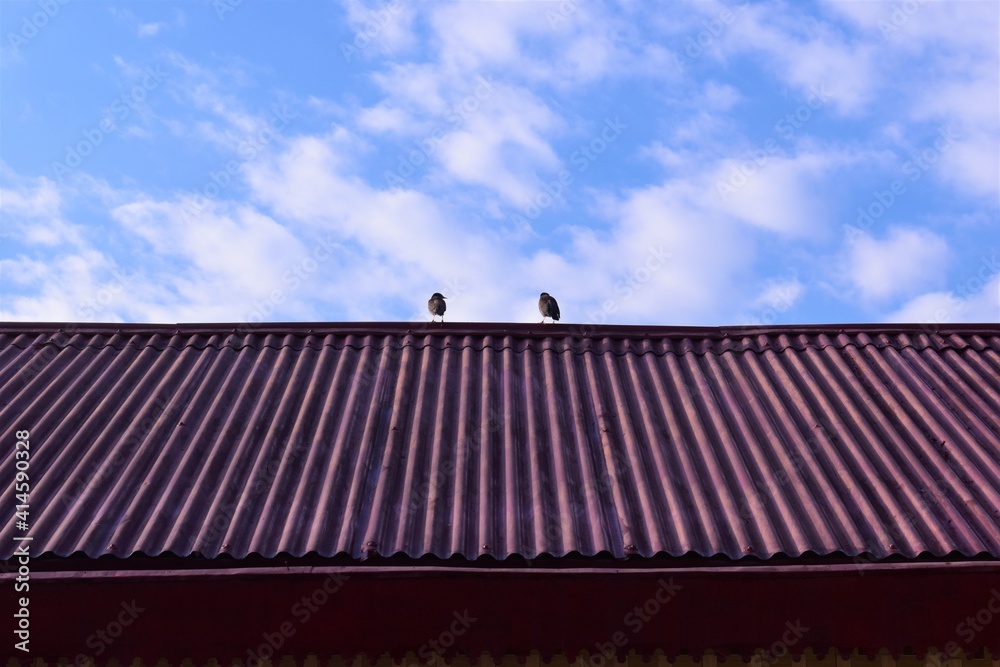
(603, 559)
(502, 329)
(499, 336)
(499, 328)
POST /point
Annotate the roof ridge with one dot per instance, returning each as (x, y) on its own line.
(499, 328)
(663, 345)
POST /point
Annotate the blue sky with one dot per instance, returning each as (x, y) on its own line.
(705, 163)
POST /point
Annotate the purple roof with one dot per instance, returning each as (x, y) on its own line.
(498, 440)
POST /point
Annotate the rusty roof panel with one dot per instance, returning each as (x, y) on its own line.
(499, 440)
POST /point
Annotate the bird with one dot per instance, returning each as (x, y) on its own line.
(436, 305)
(548, 307)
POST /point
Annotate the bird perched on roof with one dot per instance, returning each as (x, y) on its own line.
(436, 305)
(548, 307)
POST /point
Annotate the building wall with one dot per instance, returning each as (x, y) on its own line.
(763, 659)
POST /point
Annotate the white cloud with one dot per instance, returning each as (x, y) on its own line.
(54, 269)
(209, 262)
(965, 110)
(912, 27)
(774, 195)
(474, 34)
(383, 118)
(378, 28)
(235, 249)
(221, 117)
(780, 295)
(787, 194)
(563, 44)
(668, 259)
(962, 90)
(406, 241)
(38, 200)
(973, 165)
(982, 305)
(470, 129)
(905, 262)
(32, 211)
(77, 287)
(955, 46)
(474, 96)
(503, 145)
(808, 54)
(668, 157)
(720, 96)
(150, 29)
(421, 88)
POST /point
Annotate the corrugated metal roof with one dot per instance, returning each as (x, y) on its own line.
(498, 440)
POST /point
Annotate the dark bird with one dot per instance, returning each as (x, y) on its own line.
(436, 305)
(548, 307)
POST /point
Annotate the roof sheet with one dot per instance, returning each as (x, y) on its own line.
(499, 440)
